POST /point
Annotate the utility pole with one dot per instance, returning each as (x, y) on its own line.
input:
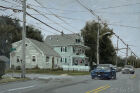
(126, 55)
(132, 63)
(23, 40)
(117, 50)
(98, 41)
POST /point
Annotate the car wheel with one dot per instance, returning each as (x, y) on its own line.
(96, 78)
(114, 77)
(132, 72)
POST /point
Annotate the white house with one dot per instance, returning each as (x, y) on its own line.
(38, 54)
(71, 48)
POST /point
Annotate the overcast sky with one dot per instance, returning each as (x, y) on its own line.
(73, 17)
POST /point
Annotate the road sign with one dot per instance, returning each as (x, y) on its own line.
(13, 54)
(13, 49)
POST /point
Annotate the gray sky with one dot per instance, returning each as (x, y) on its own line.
(74, 17)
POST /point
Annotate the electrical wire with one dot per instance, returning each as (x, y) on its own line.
(126, 26)
(75, 11)
(69, 18)
(56, 16)
(31, 17)
(116, 6)
(49, 19)
(17, 5)
(93, 13)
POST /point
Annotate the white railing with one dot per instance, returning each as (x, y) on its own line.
(75, 68)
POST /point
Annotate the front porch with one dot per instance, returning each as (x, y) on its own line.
(75, 68)
(80, 61)
(78, 64)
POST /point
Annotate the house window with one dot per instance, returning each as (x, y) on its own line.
(63, 49)
(61, 59)
(34, 58)
(26, 45)
(65, 60)
(77, 40)
(47, 59)
(18, 59)
(73, 49)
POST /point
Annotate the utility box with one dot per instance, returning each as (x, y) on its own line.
(2, 68)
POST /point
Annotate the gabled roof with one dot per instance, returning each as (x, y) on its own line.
(45, 48)
(63, 40)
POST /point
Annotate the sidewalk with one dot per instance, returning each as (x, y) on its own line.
(39, 76)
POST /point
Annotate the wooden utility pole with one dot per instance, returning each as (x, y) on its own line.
(98, 41)
(23, 40)
(126, 55)
(117, 50)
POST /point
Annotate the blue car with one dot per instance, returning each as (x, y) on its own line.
(103, 71)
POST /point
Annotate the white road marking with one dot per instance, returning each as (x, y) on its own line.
(20, 88)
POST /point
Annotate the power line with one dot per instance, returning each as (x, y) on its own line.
(67, 10)
(52, 13)
(125, 44)
(117, 6)
(18, 10)
(47, 13)
(55, 15)
(58, 9)
(49, 19)
(69, 18)
(125, 26)
(122, 52)
(67, 36)
(12, 3)
(91, 11)
(32, 17)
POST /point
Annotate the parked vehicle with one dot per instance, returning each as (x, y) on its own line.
(128, 69)
(118, 69)
(2, 68)
(103, 71)
(115, 67)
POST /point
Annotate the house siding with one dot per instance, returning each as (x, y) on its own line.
(31, 50)
(69, 55)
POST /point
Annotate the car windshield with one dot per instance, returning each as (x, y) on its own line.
(102, 68)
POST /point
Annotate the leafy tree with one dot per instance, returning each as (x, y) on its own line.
(120, 61)
(106, 50)
(11, 31)
(131, 60)
(34, 33)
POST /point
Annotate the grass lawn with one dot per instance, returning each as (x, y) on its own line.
(54, 72)
(9, 79)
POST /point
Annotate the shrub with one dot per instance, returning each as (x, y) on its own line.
(18, 68)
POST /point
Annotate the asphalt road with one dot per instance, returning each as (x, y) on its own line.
(125, 83)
